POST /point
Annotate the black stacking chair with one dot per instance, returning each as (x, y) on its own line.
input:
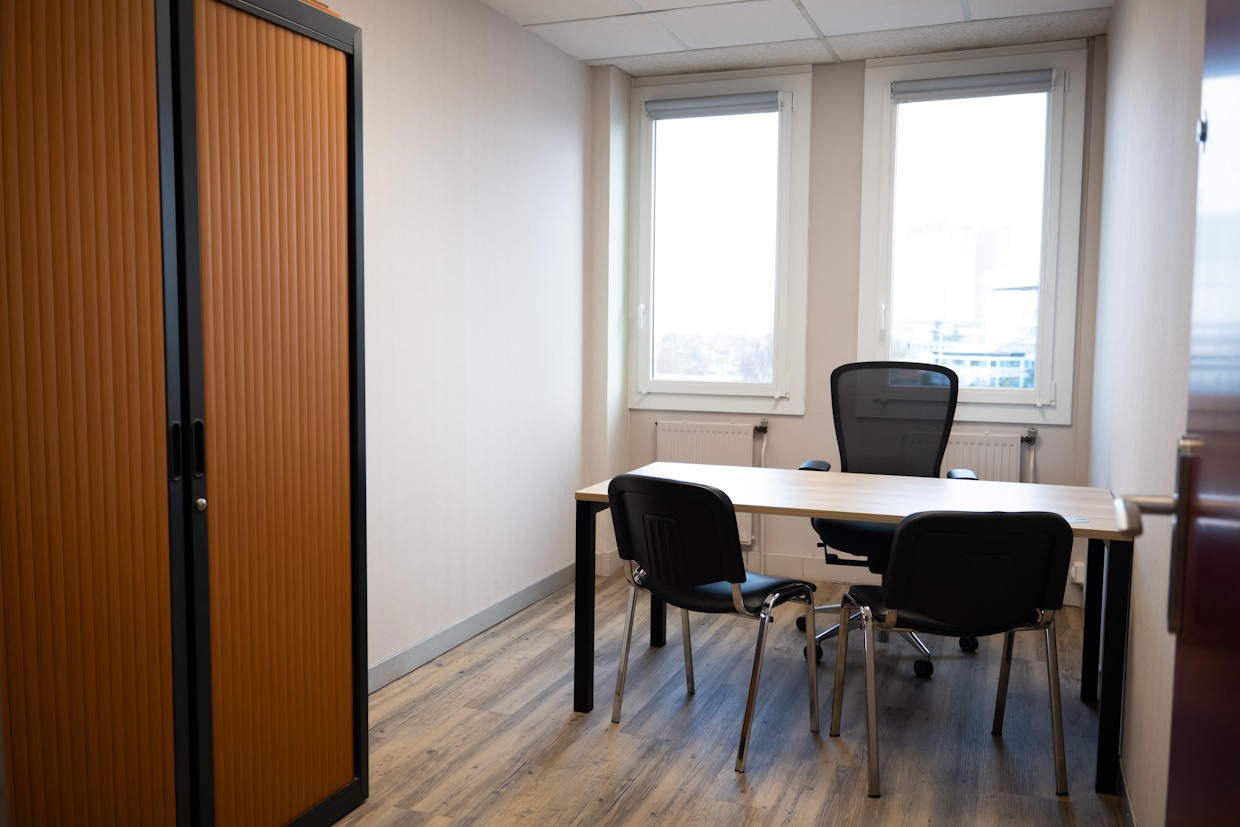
(682, 546)
(890, 418)
(959, 573)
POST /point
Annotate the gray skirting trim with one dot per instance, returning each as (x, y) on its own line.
(402, 663)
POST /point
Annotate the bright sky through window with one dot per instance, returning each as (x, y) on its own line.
(715, 250)
(967, 227)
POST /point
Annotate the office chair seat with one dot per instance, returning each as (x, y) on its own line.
(890, 418)
(869, 540)
(956, 573)
(681, 544)
(716, 598)
(915, 621)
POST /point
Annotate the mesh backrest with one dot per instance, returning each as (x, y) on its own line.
(979, 571)
(893, 417)
(682, 534)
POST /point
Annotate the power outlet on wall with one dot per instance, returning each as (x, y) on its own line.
(1077, 574)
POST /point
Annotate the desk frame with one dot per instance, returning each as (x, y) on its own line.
(1104, 653)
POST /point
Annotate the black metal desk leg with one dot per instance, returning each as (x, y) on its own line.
(1114, 663)
(583, 611)
(1093, 621)
(658, 621)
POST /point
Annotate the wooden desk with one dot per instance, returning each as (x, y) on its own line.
(889, 499)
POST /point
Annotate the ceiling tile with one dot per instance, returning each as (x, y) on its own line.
(978, 34)
(736, 24)
(633, 34)
(983, 9)
(526, 12)
(852, 16)
(663, 5)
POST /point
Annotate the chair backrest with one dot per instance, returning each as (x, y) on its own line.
(683, 534)
(982, 572)
(893, 417)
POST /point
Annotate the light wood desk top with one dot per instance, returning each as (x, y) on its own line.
(883, 499)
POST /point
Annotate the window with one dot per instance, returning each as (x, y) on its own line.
(970, 222)
(721, 226)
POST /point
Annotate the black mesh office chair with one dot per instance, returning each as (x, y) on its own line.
(890, 418)
(957, 573)
(681, 542)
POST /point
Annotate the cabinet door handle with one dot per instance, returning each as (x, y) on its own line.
(174, 451)
(200, 448)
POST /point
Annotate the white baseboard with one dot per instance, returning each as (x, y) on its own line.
(402, 663)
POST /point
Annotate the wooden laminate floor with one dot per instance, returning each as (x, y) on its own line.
(485, 734)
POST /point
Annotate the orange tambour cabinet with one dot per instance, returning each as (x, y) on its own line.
(182, 495)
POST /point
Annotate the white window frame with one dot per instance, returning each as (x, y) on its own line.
(786, 394)
(1050, 402)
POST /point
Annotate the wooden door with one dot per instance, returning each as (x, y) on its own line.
(1205, 723)
(279, 385)
(86, 643)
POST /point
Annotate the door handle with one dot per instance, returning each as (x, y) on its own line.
(1128, 511)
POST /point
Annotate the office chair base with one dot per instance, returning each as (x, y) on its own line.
(923, 668)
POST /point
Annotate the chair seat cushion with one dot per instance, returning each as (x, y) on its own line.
(914, 621)
(870, 540)
(716, 598)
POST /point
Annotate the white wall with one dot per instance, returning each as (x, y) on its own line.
(474, 152)
(1144, 297)
(834, 265)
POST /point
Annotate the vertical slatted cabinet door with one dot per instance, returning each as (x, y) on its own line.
(272, 130)
(85, 647)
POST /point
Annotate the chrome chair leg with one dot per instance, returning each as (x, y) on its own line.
(1052, 673)
(743, 749)
(841, 653)
(871, 701)
(1005, 670)
(811, 663)
(624, 655)
(917, 642)
(684, 636)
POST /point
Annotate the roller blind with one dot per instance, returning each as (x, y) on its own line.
(972, 86)
(742, 104)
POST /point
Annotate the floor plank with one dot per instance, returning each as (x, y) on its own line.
(486, 735)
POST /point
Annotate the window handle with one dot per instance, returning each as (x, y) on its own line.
(641, 317)
(882, 318)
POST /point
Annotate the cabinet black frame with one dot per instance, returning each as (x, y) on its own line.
(183, 342)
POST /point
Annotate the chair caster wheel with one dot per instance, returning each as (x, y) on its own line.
(923, 668)
(968, 644)
(817, 652)
(801, 623)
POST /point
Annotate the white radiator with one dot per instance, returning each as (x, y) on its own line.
(991, 456)
(711, 443)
